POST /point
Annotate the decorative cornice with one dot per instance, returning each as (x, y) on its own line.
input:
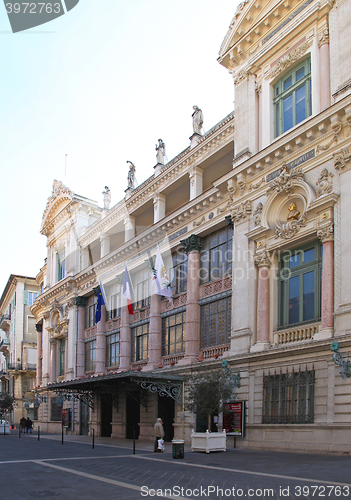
(326, 233)
(192, 244)
(262, 259)
(289, 59)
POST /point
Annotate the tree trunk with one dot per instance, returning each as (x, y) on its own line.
(209, 422)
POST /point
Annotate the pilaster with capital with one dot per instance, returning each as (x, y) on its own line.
(192, 247)
(80, 303)
(326, 236)
(125, 338)
(53, 358)
(263, 262)
(39, 372)
(323, 43)
(101, 343)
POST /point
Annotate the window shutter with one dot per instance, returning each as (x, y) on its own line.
(25, 297)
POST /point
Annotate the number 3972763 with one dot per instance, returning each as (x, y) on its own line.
(33, 8)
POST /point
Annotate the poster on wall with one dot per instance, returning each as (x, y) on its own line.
(234, 418)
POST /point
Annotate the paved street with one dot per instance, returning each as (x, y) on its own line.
(47, 469)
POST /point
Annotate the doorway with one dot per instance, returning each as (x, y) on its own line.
(84, 419)
(166, 412)
(133, 418)
(106, 415)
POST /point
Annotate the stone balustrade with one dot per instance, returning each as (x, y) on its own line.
(297, 333)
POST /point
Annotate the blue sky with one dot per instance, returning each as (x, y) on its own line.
(100, 84)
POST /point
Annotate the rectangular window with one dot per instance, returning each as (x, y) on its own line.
(140, 342)
(55, 411)
(216, 255)
(112, 349)
(62, 351)
(61, 265)
(215, 322)
(300, 273)
(180, 273)
(292, 98)
(288, 398)
(173, 333)
(142, 282)
(31, 298)
(90, 355)
(90, 310)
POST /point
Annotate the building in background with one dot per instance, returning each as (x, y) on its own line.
(252, 223)
(18, 344)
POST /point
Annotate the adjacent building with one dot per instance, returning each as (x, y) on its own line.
(252, 221)
(18, 344)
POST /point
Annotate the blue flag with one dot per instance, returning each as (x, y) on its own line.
(100, 303)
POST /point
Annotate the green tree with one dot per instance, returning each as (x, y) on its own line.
(207, 392)
(7, 404)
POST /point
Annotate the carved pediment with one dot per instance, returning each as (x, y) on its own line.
(60, 198)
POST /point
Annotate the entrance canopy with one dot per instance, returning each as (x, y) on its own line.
(116, 384)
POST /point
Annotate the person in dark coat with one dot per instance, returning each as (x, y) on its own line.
(29, 425)
(23, 423)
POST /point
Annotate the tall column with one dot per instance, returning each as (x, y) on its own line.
(159, 207)
(258, 88)
(155, 333)
(326, 236)
(101, 343)
(323, 42)
(196, 183)
(263, 262)
(46, 350)
(104, 245)
(53, 360)
(192, 246)
(129, 228)
(125, 338)
(39, 374)
(80, 303)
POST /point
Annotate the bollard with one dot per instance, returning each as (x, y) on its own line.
(93, 438)
(62, 434)
(38, 432)
(133, 442)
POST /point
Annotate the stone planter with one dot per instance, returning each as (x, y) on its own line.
(208, 441)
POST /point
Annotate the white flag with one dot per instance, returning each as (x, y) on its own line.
(161, 282)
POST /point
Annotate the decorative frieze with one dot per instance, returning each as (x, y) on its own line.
(241, 211)
(256, 185)
(325, 183)
(289, 59)
(323, 36)
(284, 181)
(289, 229)
(192, 244)
(326, 233)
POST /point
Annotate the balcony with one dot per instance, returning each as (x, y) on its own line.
(4, 346)
(14, 367)
(4, 322)
(299, 333)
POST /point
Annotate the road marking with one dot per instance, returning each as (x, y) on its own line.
(102, 479)
(64, 458)
(251, 473)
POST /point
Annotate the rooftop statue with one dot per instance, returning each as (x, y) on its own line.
(107, 198)
(198, 120)
(131, 175)
(160, 152)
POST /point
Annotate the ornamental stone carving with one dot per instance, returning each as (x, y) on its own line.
(342, 159)
(46, 315)
(289, 59)
(284, 181)
(323, 36)
(326, 233)
(289, 229)
(325, 183)
(262, 259)
(191, 244)
(241, 211)
(257, 214)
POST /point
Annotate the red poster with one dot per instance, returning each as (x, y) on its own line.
(234, 418)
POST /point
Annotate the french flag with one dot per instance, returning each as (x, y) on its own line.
(127, 290)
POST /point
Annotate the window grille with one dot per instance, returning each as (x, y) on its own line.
(173, 333)
(55, 411)
(288, 398)
(90, 355)
(215, 322)
(216, 255)
(112, 349)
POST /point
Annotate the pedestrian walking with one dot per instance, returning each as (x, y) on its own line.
(23, 424)
(159, 434)
(29, 425)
